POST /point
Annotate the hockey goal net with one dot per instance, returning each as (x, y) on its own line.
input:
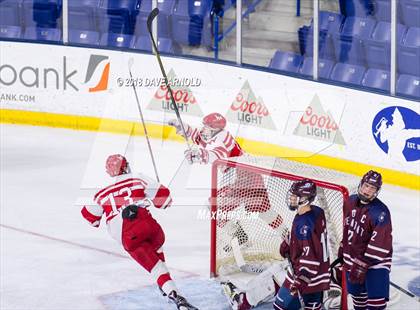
(250, 214)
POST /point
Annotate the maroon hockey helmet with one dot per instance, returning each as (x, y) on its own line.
(116, 165)
(215, 121)
(373, 178)
(305, 190)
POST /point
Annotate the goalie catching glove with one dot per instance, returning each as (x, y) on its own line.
(199, 155)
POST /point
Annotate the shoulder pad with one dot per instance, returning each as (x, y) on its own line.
(304, 229)
(379, 213)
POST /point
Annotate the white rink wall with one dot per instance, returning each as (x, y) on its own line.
(278, 111)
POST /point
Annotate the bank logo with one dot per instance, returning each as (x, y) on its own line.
(183, 96)
(396, 130)
(247, 109)
(94, 62)
(318, 124)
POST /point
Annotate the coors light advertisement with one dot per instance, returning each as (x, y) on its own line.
(247, 109)
(317, 124)
(184, 98)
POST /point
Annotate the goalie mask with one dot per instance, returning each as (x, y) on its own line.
(212, 125)
(300, 194)
(369, 186)
(116, 165)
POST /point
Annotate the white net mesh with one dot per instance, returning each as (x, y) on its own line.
(250, 197)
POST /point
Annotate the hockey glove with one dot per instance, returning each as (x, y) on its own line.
(358, 271)
(178, 127)
(130, 212)
(284, 249)
(200, 156)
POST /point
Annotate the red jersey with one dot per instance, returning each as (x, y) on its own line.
(222, 145)
(367, 233)
(309, 250)
(126, 190)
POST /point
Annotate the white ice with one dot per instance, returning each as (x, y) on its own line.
(52, 259)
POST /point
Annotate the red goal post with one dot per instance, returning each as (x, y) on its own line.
(248, 204)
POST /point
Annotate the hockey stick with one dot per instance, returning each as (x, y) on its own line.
(292, 271)
(150, 19)
(417, 298)
(130, 64)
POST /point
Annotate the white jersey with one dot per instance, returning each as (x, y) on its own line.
(126, 189)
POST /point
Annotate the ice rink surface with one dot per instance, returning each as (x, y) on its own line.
(52, 259)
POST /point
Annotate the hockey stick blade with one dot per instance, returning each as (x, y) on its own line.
(417, 298)
(151, 17)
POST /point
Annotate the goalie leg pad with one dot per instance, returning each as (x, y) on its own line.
(285, 300)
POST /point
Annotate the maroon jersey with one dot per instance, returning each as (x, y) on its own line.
(309, 250)
(367, 233)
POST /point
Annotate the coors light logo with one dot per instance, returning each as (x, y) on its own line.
(317, 124)
(246, 109)
(183, 96)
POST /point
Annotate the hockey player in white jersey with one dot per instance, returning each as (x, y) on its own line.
(212, 140)
(124, 204)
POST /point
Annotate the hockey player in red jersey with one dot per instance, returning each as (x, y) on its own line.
(367, 245)
(124, 204)
(212, 139)
(307, 252)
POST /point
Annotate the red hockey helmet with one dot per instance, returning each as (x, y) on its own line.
(215, 121)
(116, 165)
(373, 178)
(304, 190)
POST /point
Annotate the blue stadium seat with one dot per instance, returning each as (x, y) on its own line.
(377, 78)
(10, 13)
(117, 40)
(383, 10)
(408, 53)
(42, 13)
(408, 85)
(188, 19)
(410, 11)
(329, 22)
(82, 14)
(348, 73)
(286, 61)
(377, 48)
(83, 37)
(348, 44)
(118, 16)
(361, 8)
(165, 45)
(324, 67)
(10, 32)
(42, 34)
(166, 9)
(412, 37)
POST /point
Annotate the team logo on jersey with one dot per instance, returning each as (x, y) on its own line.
(381, 217)
(94, 62)
(396, 131)
(247, 109)
(184, 98)
(318, 124)
(304, 230)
